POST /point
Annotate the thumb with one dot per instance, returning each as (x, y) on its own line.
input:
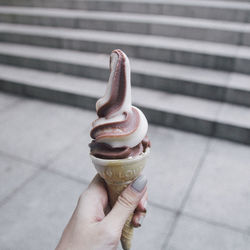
(127, 203)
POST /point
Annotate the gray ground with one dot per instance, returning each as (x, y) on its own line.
(199, 187)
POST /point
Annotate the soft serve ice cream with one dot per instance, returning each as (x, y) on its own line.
(121, 129)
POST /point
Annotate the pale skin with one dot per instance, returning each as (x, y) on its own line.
(92, 227)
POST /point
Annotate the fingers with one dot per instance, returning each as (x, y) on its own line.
(93, 202)
(138, 219)
(140, 211)
(142, 206)
(126, 203)
(97, 190)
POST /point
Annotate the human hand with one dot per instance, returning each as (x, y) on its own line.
(91, 229)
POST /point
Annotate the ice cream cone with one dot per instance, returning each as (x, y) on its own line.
(118, 174)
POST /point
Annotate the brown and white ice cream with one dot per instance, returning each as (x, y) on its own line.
(121, 129)
(120, 146)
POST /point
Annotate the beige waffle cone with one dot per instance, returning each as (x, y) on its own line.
(118, 174)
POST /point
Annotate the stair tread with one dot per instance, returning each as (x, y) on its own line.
(204, 3)
(146, 67)
(237, 11)
(195, 74)
(241, 5)
(128, 17)
(185, 45)
(166, 102)
(239, 81)
(234, 115)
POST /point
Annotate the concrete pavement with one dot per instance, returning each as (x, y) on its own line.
(199, 195)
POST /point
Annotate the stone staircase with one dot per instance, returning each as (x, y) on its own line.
(190, 59)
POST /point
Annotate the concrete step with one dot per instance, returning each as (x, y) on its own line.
(236, 11)
(173, 50)
(198, 82)
(187, 28)
(176, 111)
(230, 0)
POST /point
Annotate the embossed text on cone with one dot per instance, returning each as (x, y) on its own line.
(118, 174)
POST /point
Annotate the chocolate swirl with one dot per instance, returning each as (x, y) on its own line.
(120, 130)
(118, 89)
(105, 151)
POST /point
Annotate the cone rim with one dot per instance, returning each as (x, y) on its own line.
(128, 160)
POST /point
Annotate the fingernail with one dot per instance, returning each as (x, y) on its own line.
(139, 184)
(140, 221)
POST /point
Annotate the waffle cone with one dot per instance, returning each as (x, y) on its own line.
(118, 174)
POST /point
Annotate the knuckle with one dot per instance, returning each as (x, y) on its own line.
(126, 201)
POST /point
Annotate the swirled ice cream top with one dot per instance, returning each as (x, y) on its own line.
(121, 129)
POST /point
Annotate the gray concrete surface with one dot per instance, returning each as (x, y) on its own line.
(170, 26)
(164, 49)
(198, 186)
(237, 11)
(174, 78)
(187, 113)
